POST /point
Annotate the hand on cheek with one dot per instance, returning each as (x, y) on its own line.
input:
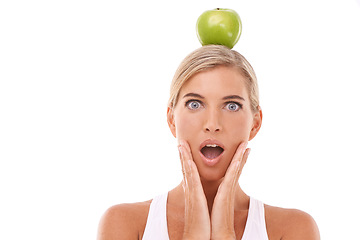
(197, 220)
(222, 215)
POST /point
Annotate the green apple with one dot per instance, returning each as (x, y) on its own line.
(220, 26)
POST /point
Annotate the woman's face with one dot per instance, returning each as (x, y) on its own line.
(213, 115)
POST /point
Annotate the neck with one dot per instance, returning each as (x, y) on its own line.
(210, 190)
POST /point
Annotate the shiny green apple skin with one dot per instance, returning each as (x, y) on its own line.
(220, 26)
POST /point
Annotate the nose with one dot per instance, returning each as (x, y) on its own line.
(213, 122)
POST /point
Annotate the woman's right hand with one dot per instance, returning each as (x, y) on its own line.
(197, 219)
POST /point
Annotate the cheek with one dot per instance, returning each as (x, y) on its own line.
(236, 134)
(237, 131)
(186, 126)
(238, 128)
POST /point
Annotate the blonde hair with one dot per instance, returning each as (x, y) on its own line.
(211, 56)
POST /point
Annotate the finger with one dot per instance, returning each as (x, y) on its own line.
(184, 167)
(185, 156)
(236, 163)
(242, 164)
(238, 156)
(195, 201)
(193, 176)
(232, 175)
(186, 159)
(181, 154)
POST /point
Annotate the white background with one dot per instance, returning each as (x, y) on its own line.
(83, 93)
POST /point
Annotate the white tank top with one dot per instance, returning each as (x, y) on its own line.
(156, 225)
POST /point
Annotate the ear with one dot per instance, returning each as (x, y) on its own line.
(257, 121)
(171, 120)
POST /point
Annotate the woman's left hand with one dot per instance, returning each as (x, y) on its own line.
(222, 215)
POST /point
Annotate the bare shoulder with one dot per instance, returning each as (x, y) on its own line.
(290, 224)
(124, 221)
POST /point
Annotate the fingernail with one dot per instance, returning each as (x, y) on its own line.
(243, 146)
(248, 152)
(180, 149)
(237, 164)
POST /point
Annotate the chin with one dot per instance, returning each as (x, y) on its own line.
(212, 174)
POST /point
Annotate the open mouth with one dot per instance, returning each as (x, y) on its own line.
(211, 151)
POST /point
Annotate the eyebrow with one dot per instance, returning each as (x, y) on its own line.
(233, 97)
(224, 98)
(193, 95)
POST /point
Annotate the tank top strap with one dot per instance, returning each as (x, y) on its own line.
(156, 224)
(255, 228)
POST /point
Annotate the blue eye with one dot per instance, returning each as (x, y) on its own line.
(193, 104)
(232, 106)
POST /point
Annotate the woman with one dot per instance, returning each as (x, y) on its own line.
(213, 111)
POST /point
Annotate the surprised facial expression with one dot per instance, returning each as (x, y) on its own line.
(214, 116)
